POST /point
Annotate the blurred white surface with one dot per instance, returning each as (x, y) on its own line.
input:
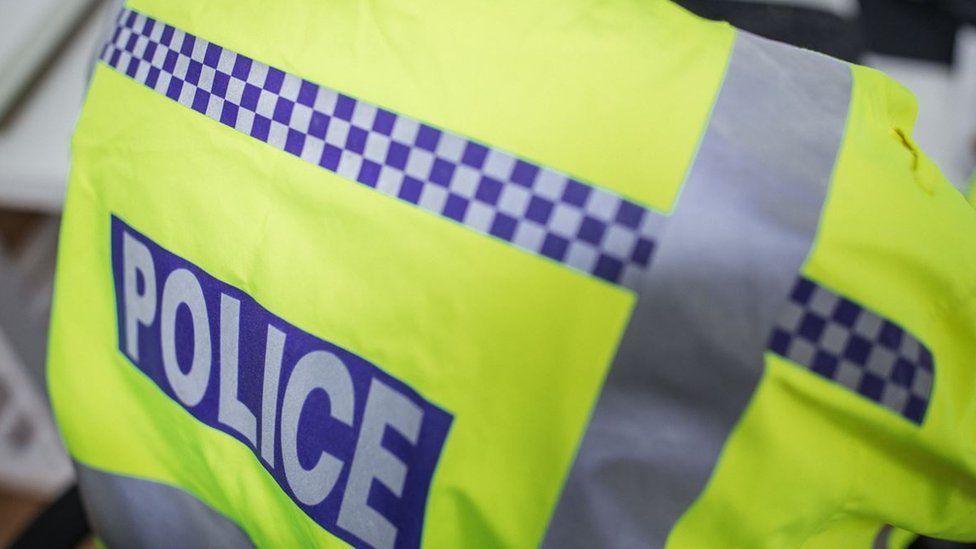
(29, 32)
(34, 139)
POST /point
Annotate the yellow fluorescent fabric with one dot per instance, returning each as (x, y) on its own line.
(811, 462)
(497, 344)
(513, 346)
(614, 93)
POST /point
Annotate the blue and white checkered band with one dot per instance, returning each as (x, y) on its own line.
(846, 343)
(538, 209)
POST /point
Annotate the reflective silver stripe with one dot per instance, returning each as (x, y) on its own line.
(693, 352)
(132, 512)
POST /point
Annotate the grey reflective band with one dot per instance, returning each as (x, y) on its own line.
(131, 512)
(844, 342)
(537, 209)
(693, 352)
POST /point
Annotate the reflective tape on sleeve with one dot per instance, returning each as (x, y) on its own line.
(855, 347)
(538, 209)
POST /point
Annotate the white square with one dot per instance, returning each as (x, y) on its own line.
(290, 87)
(337, 133)
(277, 135)
(451, 147)
(377, 147)
(258, 74)
(325, 101)
(226, 62)
(266, 104)
(405, 130)
(312, 152)
(363, 115)
(514, 200)
(419, 163)
(550, 184)
(182, 64)
(301, 117)
(235, 90)
(465, 180)
(245, 121)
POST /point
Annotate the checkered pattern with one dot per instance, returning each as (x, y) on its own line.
(537, 209)
(846, 343)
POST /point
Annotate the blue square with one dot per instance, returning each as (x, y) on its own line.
(871, 386)
(489, 189)
(397, 155)
(474, 155)
(925, 360)
(212, 57)
(220, 82)
(150, 51)
(441, 172)
(200, 101)
(812, 327)
(846, 313)
(153, 77)
(250, 96)
(802, 291)
(903, 373)
(282, 111)
(555, 247)
(295, 142)
(539, 210)
(410, 190)
(356, 139)
(344, 107)
(643, 251)
(175, 89)
(629, 214)
(274, 79)
(228, 115)
(242, 67)
(779, 342)
(503, 226)
(575, 193)
(330, 157)
(307, 93)
(890, 335)
(193, 72)
(591, 230)
(427, 138)
(383, 123)
(261, 127)
(608, 268)
(369, 173)
(318, 124)
(169, 64)
(824, 364)
(455, 207)
(133, 67)
(857, 350)
(915, 409)
(524, 173)
(188, 42)
(167, 37)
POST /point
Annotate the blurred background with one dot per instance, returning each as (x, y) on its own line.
(46, 52)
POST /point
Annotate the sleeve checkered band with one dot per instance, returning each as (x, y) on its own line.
(537, 209)
(850, 345)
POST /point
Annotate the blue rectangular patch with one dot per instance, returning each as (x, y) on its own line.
(323, 421)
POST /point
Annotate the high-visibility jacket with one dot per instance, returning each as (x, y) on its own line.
(507, 273)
